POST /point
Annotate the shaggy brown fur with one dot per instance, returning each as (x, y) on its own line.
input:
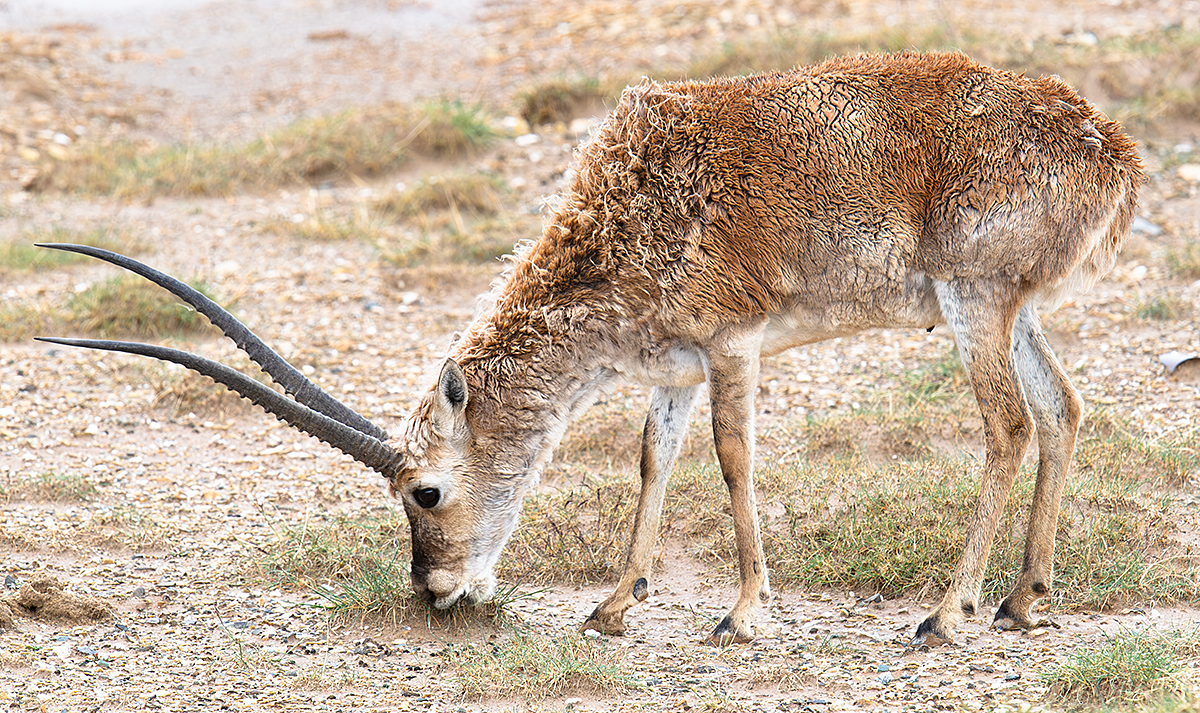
(713, 223)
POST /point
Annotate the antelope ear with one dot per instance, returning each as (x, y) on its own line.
(450, 400)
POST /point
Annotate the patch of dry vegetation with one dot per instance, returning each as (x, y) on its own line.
(1162, 307)
(18, 254)
(353, 144)
(181, 391)
(125, 527)
(572, 536)
(331, 225)
(121, 306)
(1130, 670)
(358, 563)
(50, 486)
(563, 99)
(450, 219)
(532, 667)
(1184, 262)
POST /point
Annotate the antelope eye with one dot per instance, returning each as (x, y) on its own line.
(427, 497)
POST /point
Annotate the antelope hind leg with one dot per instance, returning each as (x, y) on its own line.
(733, 380)
(665, 425)
(1057, 410)
(981, 315)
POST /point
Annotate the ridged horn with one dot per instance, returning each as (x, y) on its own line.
(366, 449)
(298, 385)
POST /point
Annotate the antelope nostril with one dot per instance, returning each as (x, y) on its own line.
(441, 583)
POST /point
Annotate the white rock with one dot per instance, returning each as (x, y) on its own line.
(1189, 172)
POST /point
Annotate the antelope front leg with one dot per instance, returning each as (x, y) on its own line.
(665, 425)
(733, 380)
(981, 316)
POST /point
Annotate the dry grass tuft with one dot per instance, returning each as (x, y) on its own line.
(122, 306)
(127, 528)
(1162, 308)
(353, 144)
(1184, 262)
(128, 305)
(561, 100)
(453, 219)
(1130, 668)
(571, 536)
(50, 487)
(533, 667)
(19, 254)
(474, 194)
(182, 391)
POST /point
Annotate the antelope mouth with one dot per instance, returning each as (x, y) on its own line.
(470, 594)
(449, 601)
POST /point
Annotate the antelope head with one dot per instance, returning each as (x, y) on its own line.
(462, 500)
(459, 520)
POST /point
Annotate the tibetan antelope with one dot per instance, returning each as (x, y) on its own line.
(711, 224)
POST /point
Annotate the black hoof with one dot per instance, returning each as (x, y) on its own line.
(597, 621)
(726, 633)
(1007, 619)
(930, 633)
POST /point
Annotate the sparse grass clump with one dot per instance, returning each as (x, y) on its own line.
(20, 255)
(451, 219)
(128, 305)
(472, 193)
(358, 564)
(938, 381)
(564, 99)
(126, 527)
(181, 391)
(122, 306)
(352, 144)
(533, 668)
(1127, 669)
(322, 553)
(25, 318)
(484, 242)
(330, 226)
(1184, 262)
(1115, 452)
(50, 486)
(378, 591)
(576, 535)
(1161, 308)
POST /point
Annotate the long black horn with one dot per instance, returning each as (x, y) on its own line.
(298, 385)
(368, 450)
